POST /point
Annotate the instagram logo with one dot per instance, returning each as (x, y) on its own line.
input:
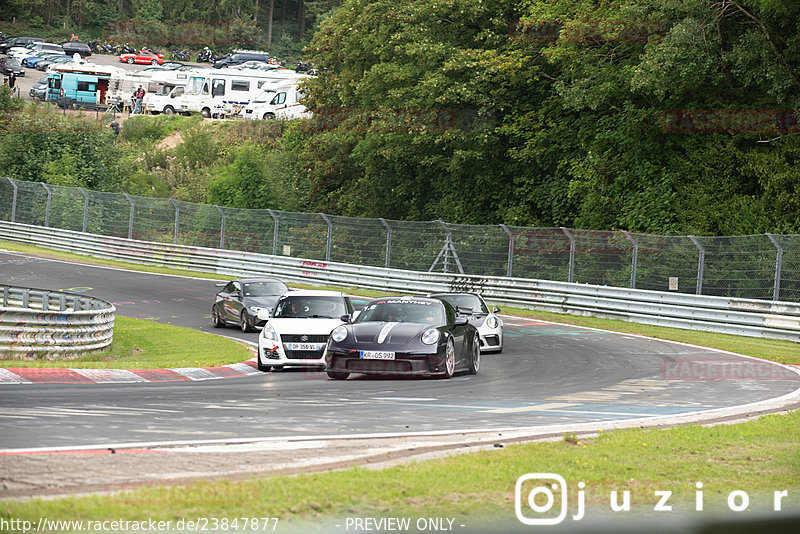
(540, 499)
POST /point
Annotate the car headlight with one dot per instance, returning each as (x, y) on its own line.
(269, 332)
(339, 333)
(256, 309)
(430, 336)
(492, 322)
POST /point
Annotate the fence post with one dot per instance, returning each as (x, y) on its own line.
(14, 200)
(778, 264)
(635, 260)
(571, 254)
(510, 248)
(85, 207)
(330, 236)
(221, 227)
(275, 233)
(388, 240)
(700, 264)
(47, 206)
(130, 216)
(177, 221)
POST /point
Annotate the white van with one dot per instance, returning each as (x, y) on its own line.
(279, 102)
(167, 98)
(223, 92)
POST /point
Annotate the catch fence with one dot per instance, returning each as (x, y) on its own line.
(763, 266)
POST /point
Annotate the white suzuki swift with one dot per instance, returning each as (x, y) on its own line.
(296, 332)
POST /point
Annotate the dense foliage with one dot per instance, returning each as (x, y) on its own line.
(560, 113)
(280, 25)
(665, 116)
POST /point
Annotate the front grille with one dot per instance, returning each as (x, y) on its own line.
(378, 366)
(304, 354)
(297, 338)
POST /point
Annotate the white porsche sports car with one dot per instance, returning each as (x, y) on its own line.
(297, 330)
(488, 323)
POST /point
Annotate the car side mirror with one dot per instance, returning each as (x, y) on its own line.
(264, 315)
(346, 318)
(495, 310)
(460, 321)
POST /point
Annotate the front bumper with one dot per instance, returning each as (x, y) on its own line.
(276, 354)
(403, 364)
(491, 341)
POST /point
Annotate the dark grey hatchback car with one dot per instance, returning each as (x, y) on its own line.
(240, 301)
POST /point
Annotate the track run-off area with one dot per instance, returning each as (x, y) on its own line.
(550, 378)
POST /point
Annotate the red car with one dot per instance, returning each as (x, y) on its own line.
(144, 56)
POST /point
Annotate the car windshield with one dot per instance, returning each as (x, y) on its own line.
(471, 302)
(402, 311)
(266, 96)
(300, 306)
(263, 289)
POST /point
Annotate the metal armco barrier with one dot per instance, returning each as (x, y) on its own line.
(746, 317)
(52, 324)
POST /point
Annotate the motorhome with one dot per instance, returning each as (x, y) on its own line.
(167, 98)
(84, 84)
(281, 101)
(71, 89)
(79, 84)
(222, 92)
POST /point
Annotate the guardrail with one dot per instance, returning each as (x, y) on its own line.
(52, 324)
(746, 317)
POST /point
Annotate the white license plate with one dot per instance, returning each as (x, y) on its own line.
(376, 355)
(304, 346)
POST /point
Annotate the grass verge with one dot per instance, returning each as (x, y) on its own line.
(758, 457)
(141, 344)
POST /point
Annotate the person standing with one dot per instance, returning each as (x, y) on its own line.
(138, 96)
(12, 80)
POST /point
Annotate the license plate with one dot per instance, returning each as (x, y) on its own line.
(376, 355)
(303, 346)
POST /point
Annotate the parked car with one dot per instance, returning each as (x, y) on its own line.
(252, 64)
(143, 56)
(415, 336)
(240, 301)
(54, 59)
(76, 47)
(297, 331)
(9, 65)
(39, 89)
(31, 60)
(18, 41)
(237, 57)
(21, 53)
(474, 308)
(172, 65)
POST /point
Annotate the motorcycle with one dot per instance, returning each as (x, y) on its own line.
(207, 56)
(180, 55)
(124, 49)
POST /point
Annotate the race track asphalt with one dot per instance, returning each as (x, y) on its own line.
(548, 374)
